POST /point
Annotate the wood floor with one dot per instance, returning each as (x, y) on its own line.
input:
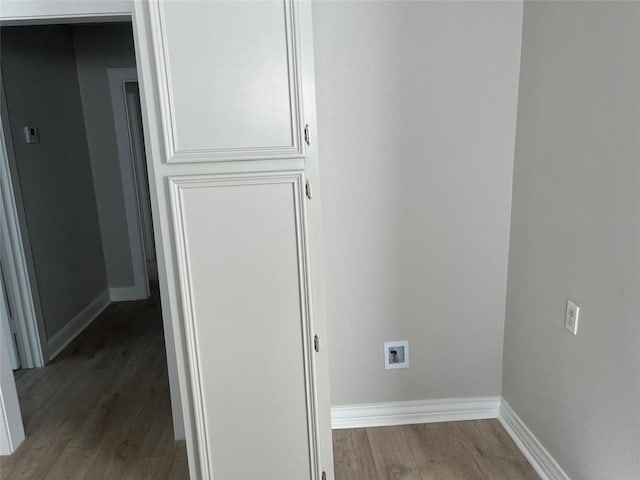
(101, 410)
(474, 450)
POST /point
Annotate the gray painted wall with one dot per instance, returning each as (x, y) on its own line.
(41, 83)
(576, 234)
(416, 110)
(99, 47)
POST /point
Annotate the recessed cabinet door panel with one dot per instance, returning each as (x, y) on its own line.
(229, 79)
(242, 252)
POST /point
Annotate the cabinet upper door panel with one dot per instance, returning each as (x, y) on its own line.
(229, 80)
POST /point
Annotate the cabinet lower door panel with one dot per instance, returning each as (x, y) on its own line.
(240, 241)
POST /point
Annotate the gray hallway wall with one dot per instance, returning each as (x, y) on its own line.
(40, 78)
(99, 47)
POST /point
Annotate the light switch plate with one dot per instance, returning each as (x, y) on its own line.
(31, 134)
(571, 317)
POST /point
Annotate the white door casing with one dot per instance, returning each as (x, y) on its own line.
(7, 324)
(21, 292)
(118, 78)
(134, 115)
(11, 428)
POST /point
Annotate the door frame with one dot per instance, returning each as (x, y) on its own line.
(8, 324)
(20, 291)
(11, 427)
(136, 133)
(53, 12)
(118, 77)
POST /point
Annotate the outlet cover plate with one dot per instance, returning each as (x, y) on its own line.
(571, 317)
(396, 354)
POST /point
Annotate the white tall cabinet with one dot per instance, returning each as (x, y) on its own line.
(229, 106)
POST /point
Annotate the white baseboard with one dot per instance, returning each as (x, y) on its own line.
(126, 294)
(423, 411)
(82, 320)
(539, 458)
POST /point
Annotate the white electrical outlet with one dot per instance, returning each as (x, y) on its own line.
(571, 317)
(396, 354)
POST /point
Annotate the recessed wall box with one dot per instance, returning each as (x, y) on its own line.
(396, 354)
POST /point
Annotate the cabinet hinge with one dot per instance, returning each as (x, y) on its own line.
(307, 189)
(307, 134)
(316, 343)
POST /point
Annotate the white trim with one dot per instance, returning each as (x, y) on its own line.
(183, 425)
(421, 411)
(11, 427)
(117, 79)
(20, 293)
(136, 135)
(82, 320)
(172, 151)
(539, 458)
(8, 325)
(124, 294)
(64, 19)
(38, 12)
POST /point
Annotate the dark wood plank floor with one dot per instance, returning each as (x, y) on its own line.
(101, 409)
(474, 450)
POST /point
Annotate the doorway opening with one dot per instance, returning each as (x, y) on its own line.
(92, 327)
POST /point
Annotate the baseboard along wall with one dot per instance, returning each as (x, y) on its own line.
(126, 294)
(451, 410)
(82, 320)
(423, 411)
(539, 458)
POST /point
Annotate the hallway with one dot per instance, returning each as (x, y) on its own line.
(101, 409)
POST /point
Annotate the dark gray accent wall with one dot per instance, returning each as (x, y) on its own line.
(98, 48)
(55, 178)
